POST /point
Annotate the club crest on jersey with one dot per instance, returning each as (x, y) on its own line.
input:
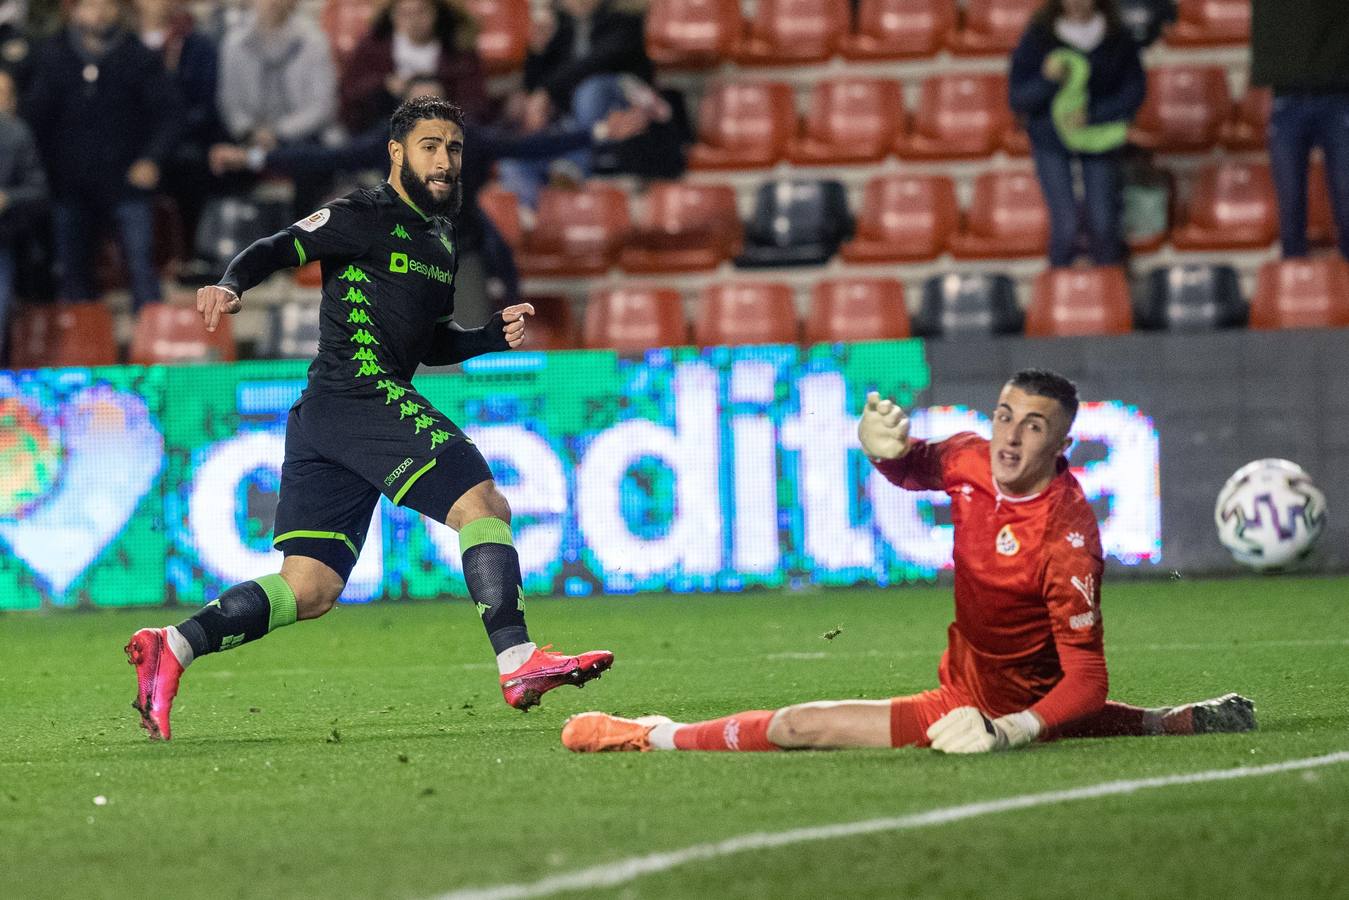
(314, 221)
(1007, 544)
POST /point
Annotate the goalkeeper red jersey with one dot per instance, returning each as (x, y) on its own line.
(1027, 632)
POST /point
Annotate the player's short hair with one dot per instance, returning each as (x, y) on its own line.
(1044, 383)
(410, 112)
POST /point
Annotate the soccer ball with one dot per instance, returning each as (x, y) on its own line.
(1269, 514)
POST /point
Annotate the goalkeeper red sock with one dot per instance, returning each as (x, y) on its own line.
(746, 731)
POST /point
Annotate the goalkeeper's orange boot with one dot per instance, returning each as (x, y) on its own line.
(157, 674)
(544, 671)
(597, 732)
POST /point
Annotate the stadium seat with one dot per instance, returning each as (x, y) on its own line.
(692, 34)
(746, 312)
(309, 275)
(1232, 207)
(346, 22)
(743, 125)
(633, 319)
(1192, 298)
(968, 304)
(577, 232)
(1245, 130)
(552, 327)
(990, 27)
(62, 334)
(1006, 218)
(294, 332)
(899, 29)
(1074, 302)
(959, 116)
(1302, 293)
(503, 208)
(174, 333)
(851, 120)
(1203, 23)
(686, 227)
(1185, 109)
(503, 33)
(857, 309)
(795, 223)
(792, 32)
(904, 218)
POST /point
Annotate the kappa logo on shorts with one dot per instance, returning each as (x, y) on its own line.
(1007, 544)
(315, 221)
(402, 467)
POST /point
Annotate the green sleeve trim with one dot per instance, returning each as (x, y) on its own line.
(282, 601)
(299, 251)
(329, 535)
(487, 530)
(398, 497)
(444, 319)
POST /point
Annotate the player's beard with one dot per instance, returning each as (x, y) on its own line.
(421, 195)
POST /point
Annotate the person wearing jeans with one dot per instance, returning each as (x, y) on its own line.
(1304, 58)
(1114, 89)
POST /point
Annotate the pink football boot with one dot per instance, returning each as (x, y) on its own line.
(544, 671)
(157, 674)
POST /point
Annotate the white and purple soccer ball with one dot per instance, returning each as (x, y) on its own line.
(1269, 514)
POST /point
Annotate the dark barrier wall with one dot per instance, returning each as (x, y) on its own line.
(685, 470)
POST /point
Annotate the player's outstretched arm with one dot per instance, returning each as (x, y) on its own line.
(967, 730)
(883, 429)
(258, 261)
(454, 344)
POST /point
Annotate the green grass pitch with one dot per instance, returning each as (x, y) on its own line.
(369, 754)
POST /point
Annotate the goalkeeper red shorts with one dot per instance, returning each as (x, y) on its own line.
(910, 716)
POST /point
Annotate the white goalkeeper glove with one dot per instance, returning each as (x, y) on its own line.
(967, 730)
(884, 428)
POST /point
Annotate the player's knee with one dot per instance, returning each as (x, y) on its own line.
(316, 589)
(799, 726)
(483, 501)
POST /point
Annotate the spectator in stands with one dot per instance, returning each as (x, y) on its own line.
(278, 86)
(1077, 81)
(16, 42)
(167, 28)
(1303, 55)
(587, 58)
(106, 116)
(409, 38)
(23, 192)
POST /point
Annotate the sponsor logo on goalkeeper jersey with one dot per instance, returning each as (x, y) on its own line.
(401, 263)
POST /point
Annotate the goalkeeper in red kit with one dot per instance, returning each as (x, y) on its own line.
(1025, 659)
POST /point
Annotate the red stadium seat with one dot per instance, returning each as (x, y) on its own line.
(857, 309)
(309, 275)
(552, 327)
(577, 232)
(1006, 218)
(686, 228)
(851, 120)
(346, 22)
(62, 334)
(503, 33)
(1184, 110)
(1302, 293)
(1232, 208)
(503, 208)
(743, 126)
(1320, 220)
(1070, 302)
(174, 333)
(1202, 23)
(904, 218)
(746, 312)
(899, 29)
(692, 34)
(959, 116)
(991, 27)
(633, 319)
(792, 32)
(1245, 130)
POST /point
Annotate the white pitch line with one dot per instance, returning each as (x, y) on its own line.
(625, 870)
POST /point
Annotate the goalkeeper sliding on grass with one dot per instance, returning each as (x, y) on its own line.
(1025, 659)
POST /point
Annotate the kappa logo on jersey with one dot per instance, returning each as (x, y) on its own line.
(1087, 588)
(1007, 544)
(402, 467)
(400, 232)
(1076, 539)
(315, 221)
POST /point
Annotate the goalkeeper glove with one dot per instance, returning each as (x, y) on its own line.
(967, 730)
(884, 429)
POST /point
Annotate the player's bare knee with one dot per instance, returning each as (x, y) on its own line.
(798, 726)
(316, 588)
(484, 500)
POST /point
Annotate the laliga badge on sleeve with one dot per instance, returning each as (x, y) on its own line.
(314, 221)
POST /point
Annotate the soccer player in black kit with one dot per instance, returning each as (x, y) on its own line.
(360, 428)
